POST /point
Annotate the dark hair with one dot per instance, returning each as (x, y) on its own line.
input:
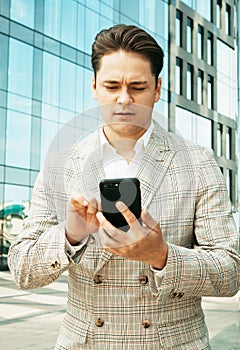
(128, 38)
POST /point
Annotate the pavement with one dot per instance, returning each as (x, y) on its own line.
(31, 319)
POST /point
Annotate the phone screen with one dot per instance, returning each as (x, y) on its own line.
(126, 190)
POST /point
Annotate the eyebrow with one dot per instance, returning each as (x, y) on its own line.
(131, 83)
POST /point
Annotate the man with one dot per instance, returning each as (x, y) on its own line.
(139, 289)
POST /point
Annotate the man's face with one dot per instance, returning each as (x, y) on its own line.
(126, 91)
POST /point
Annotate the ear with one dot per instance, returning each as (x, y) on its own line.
(158, 90)
(94, 87)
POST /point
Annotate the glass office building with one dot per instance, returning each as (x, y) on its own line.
(45, 80)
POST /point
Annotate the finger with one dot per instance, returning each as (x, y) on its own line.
(116, 236)
(148, 220)
(126, 212)
(92, 207)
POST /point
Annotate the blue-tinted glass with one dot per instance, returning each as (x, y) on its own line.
(69, 22)
(204, 8)
(52, 18)
(88, 99)
(18, 140)
(16, 194)
(19, 103)
(20, 68)
(23, 11)
(50, 93)
(48, 134)
(147, 12)
(67, 85)
(81, 27)
(91, 29)
(79, 89)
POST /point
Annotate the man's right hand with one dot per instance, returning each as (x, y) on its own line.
(81, 218)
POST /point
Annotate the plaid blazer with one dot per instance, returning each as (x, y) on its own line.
(115, 303)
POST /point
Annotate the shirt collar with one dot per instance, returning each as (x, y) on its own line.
(144, 139)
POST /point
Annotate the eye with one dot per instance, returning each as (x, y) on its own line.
(111, 87)
(138, 88)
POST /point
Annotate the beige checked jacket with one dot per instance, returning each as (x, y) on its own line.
(118, 304)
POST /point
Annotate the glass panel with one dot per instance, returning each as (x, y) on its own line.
(189, 81)
(16, 194)
(218, 13)
(228, 20)
(92, 25)
(51, 84)
(229, 182)
(200, 42)
(52, 18)
(20, 68)
(200, 87)
(210, 92)
(69, 22)
(178, 28)
(178, 86)
(219, 139)
(210, 49)
(23, 11)
(189, 34)
(18, 140)
(147, 13)
(67, 85)
(204, 8)
(228, 142)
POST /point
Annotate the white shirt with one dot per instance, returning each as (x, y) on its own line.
(116, 166)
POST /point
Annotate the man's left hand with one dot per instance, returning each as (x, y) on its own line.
(142, 242)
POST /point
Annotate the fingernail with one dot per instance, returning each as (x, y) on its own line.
(100, 217)
(120, 205)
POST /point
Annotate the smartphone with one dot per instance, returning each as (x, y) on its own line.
(126, 190)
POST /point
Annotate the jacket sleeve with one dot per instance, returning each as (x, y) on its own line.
(212, 267)
(38, 256)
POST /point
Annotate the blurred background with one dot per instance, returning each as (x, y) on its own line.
(45, 80)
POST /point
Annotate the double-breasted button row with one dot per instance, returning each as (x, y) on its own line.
(56, 265)
(100, 322)
(99, 279)
(174, 295)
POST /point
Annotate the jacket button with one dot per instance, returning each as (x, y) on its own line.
(99, 322)
(180, 295)
(143, 280)
(146, 324)
(98, 279)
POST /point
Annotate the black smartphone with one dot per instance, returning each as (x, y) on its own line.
(126, 190)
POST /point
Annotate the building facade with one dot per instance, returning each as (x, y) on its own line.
(45, 80)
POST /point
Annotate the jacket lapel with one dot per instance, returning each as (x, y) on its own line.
(154, 165)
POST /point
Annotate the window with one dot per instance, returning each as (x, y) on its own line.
(219, 139)
(189, 82)
(228, 143)
(210, 49)
(178, 28)
(189, 34)
(200, 87)
(178, 76)
(228, 20)
(200, 42)
(218, 13)
(210, 92)
(23, 12)
(229, 178)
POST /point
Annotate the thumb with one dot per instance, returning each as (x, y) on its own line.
(148, 220)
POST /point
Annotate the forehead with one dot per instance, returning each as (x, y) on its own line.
(130, 64)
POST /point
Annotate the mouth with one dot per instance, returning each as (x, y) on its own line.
(125, 113)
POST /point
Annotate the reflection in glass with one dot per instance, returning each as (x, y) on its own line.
(20, 68)
(210, 92)
(189, 81)
(69, 22)
(228, 142)
(178, 77)
(229, 182)
(219, 139)
(52, 18)
(203, 7)
(189, 34)
(18, 140)
(228, 20)
(178, 31)
(50, 93)
(200, 87)
(210, 49)
(200, 42)
(218, 13)
(22, 11)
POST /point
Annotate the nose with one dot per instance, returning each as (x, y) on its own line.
(124, 97)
